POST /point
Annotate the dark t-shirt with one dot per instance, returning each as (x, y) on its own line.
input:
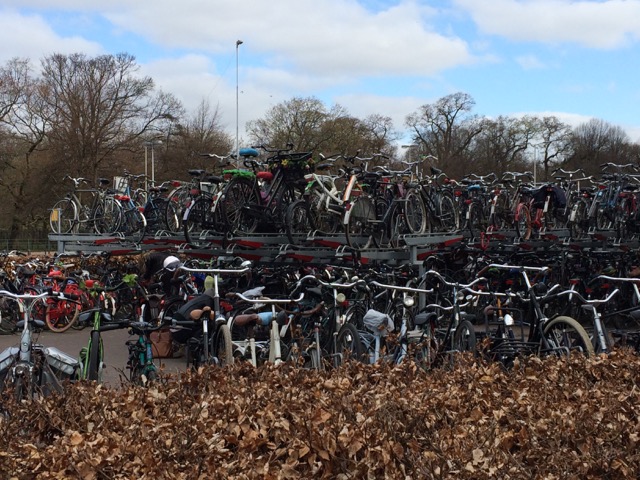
(153, 264)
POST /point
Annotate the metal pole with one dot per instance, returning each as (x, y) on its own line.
(153, 165)
(238, 43)
(146, 174)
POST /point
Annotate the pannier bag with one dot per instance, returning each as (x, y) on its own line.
(162, 343)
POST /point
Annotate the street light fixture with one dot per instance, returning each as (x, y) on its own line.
(238, 43)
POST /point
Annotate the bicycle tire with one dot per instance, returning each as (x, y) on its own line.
(381, 229)
(324, 220)
(500, 217)
(523, 222)
(567, 332)
(357, 223)
(476, 223)
(299, 222)
(348, 344)
(577, 221)
(177, 201)
(64, 216)
(464, 338)
(107, 216)
(448, 214)
(236, 196)
(93, 368)
(61, 315)
(135, 224)
(155, 213)
(415, 212)
(223, 348)
(198, 219)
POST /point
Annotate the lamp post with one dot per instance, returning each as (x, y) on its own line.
(238, 43)
(152, 144)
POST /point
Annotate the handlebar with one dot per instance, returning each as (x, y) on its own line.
(269, 300)
(216, 271)
(437, 274)
(575, 294)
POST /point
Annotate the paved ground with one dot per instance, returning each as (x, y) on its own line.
(115, 357)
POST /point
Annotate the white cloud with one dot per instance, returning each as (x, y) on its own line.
(29, 36)
(332, 37)
(530, 62)
(599, 24)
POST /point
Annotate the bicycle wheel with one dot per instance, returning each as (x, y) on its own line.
(622, 219)
(155, 211)
(448, 215)
(198, 221)
(578, 222)
(523, 222)
(464, 339)
(64, 216)
(415, 212)
(348, 344)
(476, 221)
(239, 194)
(95, 352)
(135, 223)
(299, 222)
(107, 216)
(565, 332)
(222, 346)
(177, 201)
(499, 220)
(358, 223)
(61, 315)
(381, 229)
(324, 221)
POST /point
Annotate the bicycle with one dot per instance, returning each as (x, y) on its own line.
(140, 363)
(133, 223)
(32, 369)
(101, 320)
(256, 197)
(558, 335)
(72, 215)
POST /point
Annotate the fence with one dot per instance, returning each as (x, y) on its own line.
(27, 244)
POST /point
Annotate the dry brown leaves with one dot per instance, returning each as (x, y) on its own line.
(551, 419)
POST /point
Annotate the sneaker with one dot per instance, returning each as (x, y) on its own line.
(178, 350)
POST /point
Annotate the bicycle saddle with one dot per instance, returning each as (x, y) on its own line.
(195, 173)
(248, 152)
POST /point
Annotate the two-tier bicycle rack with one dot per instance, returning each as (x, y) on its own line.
(333, 249)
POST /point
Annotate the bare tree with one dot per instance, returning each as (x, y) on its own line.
(501, 145)
(24, 171)
(555, 142)
(445, 128)
(597, 142)
(98, 106)
(199, 133)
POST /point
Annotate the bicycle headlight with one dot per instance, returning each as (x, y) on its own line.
(408, 301)
(341, 298)
(508, 320)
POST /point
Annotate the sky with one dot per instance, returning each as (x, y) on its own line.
(576, 60)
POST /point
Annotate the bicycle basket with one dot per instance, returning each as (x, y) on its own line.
(297, 165)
